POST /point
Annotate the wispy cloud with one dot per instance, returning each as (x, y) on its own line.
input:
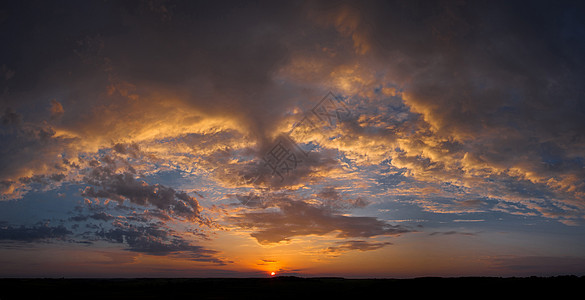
(354, 245)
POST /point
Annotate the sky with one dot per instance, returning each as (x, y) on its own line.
(366, 139)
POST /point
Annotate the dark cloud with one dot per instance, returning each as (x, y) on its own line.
(328, 198)
(252, 200)
(298, 218)
(334, 200)
(156, 239)
(142, 230)
(497, 86)
(484, 90)
(230, 65)
(263, 170)
(131, 149)
(10, 117)
(125, 186)
(98, 62)
(31, 153)
(56, 109)
(474, 203)
(33, 233)
(99, 216)
(43, 179)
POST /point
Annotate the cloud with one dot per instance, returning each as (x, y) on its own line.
(124, 186)
(31, 153)
(347, 19)
(214, 87)
(334, 200)
(452, 232)
(261, 172)
(469, 220)
(485, 114)
(56, 109)
(10, 117)
(456, 108)
(484, 111)
(355, 245)
(155, 239)
(299, 218)
(7, 73)
(99, 216)
(201, 83)
(501, 102)
(33, 233)
(150, 231)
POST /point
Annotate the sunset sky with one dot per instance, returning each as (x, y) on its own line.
(309, 138)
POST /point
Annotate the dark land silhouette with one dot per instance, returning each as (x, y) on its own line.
(287, 287)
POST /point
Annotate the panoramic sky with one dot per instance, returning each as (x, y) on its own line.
(308, 138)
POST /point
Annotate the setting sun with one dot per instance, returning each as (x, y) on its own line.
(272, 274)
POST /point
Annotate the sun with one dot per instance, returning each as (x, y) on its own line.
(272, 273)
